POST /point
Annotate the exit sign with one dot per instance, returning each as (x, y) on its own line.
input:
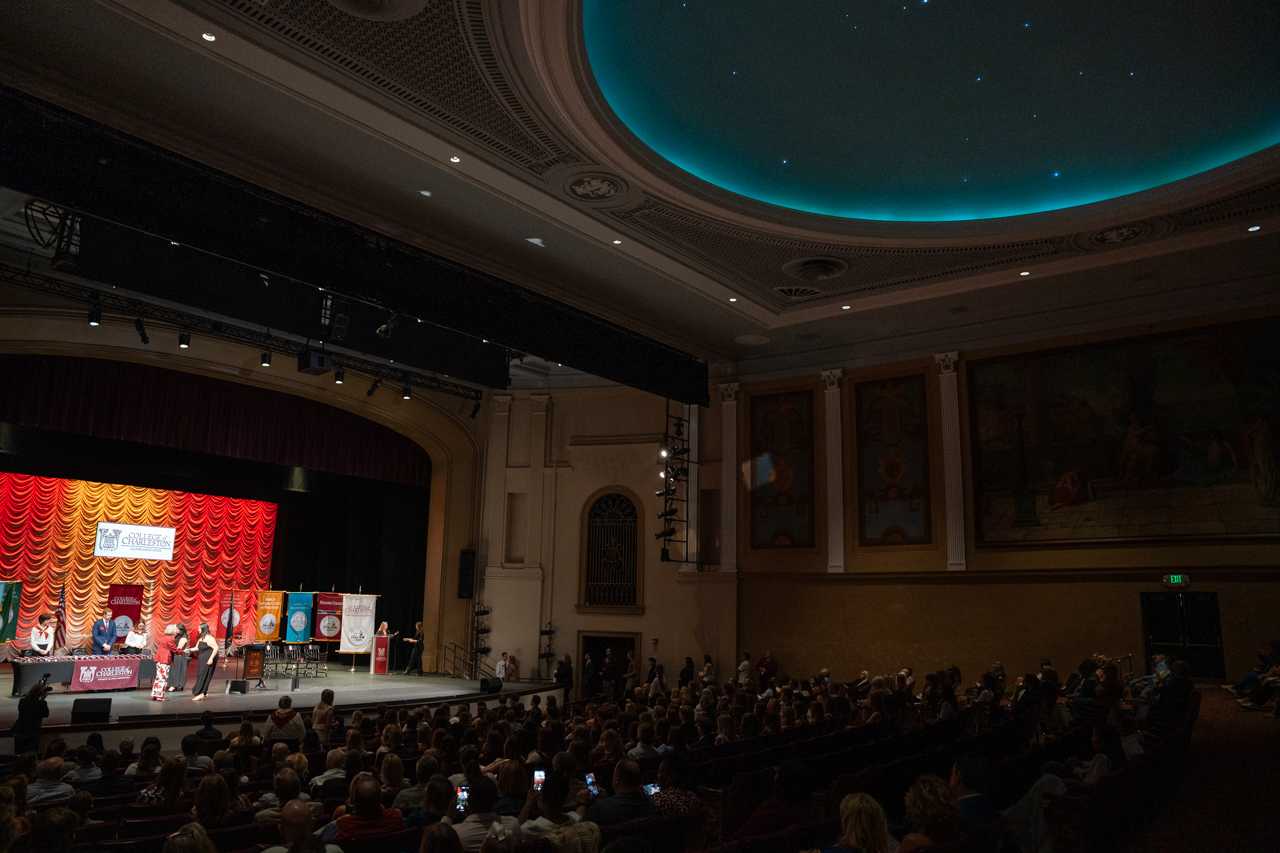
(1177, 580)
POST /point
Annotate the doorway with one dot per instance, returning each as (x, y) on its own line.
(596, 645)
(1187, 626)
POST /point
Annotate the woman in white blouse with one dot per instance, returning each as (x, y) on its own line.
(42, 634)
(136, 639)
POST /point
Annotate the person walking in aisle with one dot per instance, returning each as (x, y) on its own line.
(206, 660)
(415, 652)
(178, 668)
(166, 645)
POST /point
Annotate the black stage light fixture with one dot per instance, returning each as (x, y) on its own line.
(679, 451)
(266, 359)
(339, 376)
(406, 392)
(142, 330)
(475, 410)
(679, 473)
(184, 340)
(668, 491)
(669, 513)
(665, 534)
(377, 383)
(95, 316)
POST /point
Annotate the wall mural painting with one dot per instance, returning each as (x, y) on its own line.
(893, 462)
(1161, 437)
(782, 508)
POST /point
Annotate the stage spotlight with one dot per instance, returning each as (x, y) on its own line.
(95, 316)
(266, 359)
(475, 410)
(665, 534)
(338, 376)
(377, 383)
(679, 451)
(406, 392)
(667, 492)
(142, 330)
(663, 453)
(669, 513)
(184, 340)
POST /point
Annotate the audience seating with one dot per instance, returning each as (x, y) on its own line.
(395, 843)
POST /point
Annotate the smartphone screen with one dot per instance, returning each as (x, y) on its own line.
(651, 789)
(463, 792)
(1161, 667)
(538, 777)
(591, 785)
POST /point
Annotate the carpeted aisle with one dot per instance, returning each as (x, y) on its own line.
(1229, 800)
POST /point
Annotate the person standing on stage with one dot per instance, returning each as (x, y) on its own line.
(104, 634)
(166, 645)
(206, 660)
(178, 668)
(42, 635)
(501, 669)
(136, 640)
(415, 654)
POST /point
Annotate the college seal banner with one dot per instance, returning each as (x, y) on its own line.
(110, 672)
(357, 623)
(125, 601)
(270, 604)
(328, 616)
(298, 628)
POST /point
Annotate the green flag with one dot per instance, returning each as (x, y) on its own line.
(10, 602)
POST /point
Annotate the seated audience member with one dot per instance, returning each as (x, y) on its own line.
(213, 809)
(480, 816)
(80, 804)
(433, 805)
(168, 784)
(285, 787)
(787, 805)
(411, 797)
(628, 802)
(85, 770)
(53, 831)
(246, 736)
(48, 785)
(393, 781)
(302, 767)
(109, 782)
(295, 825)
(352, 767)
(550, 802)
(644, 747)
(268, 769)
(311, 742)
(863, 826)
(285, 723)
(932, 806)
(190, 838)
(127, 755)
(149, 761)
(513, 788)
(334, 762)
(969, 777)
(239, 802)
(190, 754)
(1172, 699)
(1108, 756)
(440, 838)
(1268, 662)
(677, 794)
(208, 732)
(13, 798)
(367, 817)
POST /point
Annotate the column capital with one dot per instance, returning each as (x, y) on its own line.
(832, 378)
(501, 403)
(540, 402)
(728, 392)
(947, 361)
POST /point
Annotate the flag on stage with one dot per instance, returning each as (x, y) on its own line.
(125, 601)
(328, 616)
(357, 623)
(60, 616)
(299, 618)
(268, 627)
(10, 603)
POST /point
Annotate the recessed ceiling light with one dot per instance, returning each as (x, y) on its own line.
(1255, 227)
(1025, 272)
(844, 307)
(617, 242)
(427, 193)
(455, 159)
(537, 241)
(733, 299)
(210, 37)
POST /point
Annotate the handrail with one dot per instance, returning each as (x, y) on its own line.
(460, 662)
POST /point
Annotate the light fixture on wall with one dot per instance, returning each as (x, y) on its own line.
(184, 340)
(95, 316)
(339, 376)
(377, 383)
(266, 359)
(406, 393)
(475, 410)
(665, 533)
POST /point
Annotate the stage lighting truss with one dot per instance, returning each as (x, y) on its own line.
(676, 456)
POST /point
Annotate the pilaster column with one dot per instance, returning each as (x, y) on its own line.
(537, 460)
(495, 499)
(949, 407)
(729, 477)
(692, 548)
(835, 471)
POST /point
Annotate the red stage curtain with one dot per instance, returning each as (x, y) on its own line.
(135, 402)
(48, 527)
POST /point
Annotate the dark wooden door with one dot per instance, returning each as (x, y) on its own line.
(1186, 626)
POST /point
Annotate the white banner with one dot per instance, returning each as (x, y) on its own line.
(357, 623)
(133, 542)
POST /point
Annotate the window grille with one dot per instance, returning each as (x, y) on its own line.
(611, 552)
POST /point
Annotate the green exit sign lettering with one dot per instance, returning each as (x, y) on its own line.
(1177, 580)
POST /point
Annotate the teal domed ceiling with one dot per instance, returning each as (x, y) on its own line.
(938, 110)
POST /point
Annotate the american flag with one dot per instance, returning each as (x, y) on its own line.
(60, 633)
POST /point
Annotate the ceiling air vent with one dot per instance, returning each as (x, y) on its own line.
(816, 269)
(381, 10)
(798, 291)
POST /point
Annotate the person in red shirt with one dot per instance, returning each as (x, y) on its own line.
(368, 817)
(166, 645)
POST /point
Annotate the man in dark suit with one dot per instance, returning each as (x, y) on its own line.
(104, 634)
(592, 683)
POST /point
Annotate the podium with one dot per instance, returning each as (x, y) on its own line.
(381, 646)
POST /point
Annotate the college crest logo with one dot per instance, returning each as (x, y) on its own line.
(87, 673)
(109, 539)
(298, 621)
(124, 625)
(267, 624)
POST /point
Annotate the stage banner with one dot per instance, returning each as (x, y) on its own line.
(299, 617)
(134, 542)
(10, 602)
(269, 605)
(381, 645)
(231, 607)
(328, 616)
(105, 673)
(357, 623)
(125, 601)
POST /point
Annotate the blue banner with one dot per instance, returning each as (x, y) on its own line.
(299, 622)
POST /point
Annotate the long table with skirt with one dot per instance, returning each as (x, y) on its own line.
(86, 673)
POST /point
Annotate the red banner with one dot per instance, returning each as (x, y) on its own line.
(329, 616)
(104, 673)
(125, 601)
(380, 645)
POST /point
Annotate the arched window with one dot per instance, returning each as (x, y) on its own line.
(611, 552)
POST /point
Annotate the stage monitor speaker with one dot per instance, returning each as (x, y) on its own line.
(467, 573)
(237, 685)
(490, 685)
(90, 711)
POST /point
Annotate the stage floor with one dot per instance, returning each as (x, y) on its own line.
(350, 689)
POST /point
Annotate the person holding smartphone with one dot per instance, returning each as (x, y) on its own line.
(549, 797)
(473, 813)
(628, 802)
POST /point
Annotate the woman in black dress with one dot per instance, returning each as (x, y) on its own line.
(178, 670)
(206, 660)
